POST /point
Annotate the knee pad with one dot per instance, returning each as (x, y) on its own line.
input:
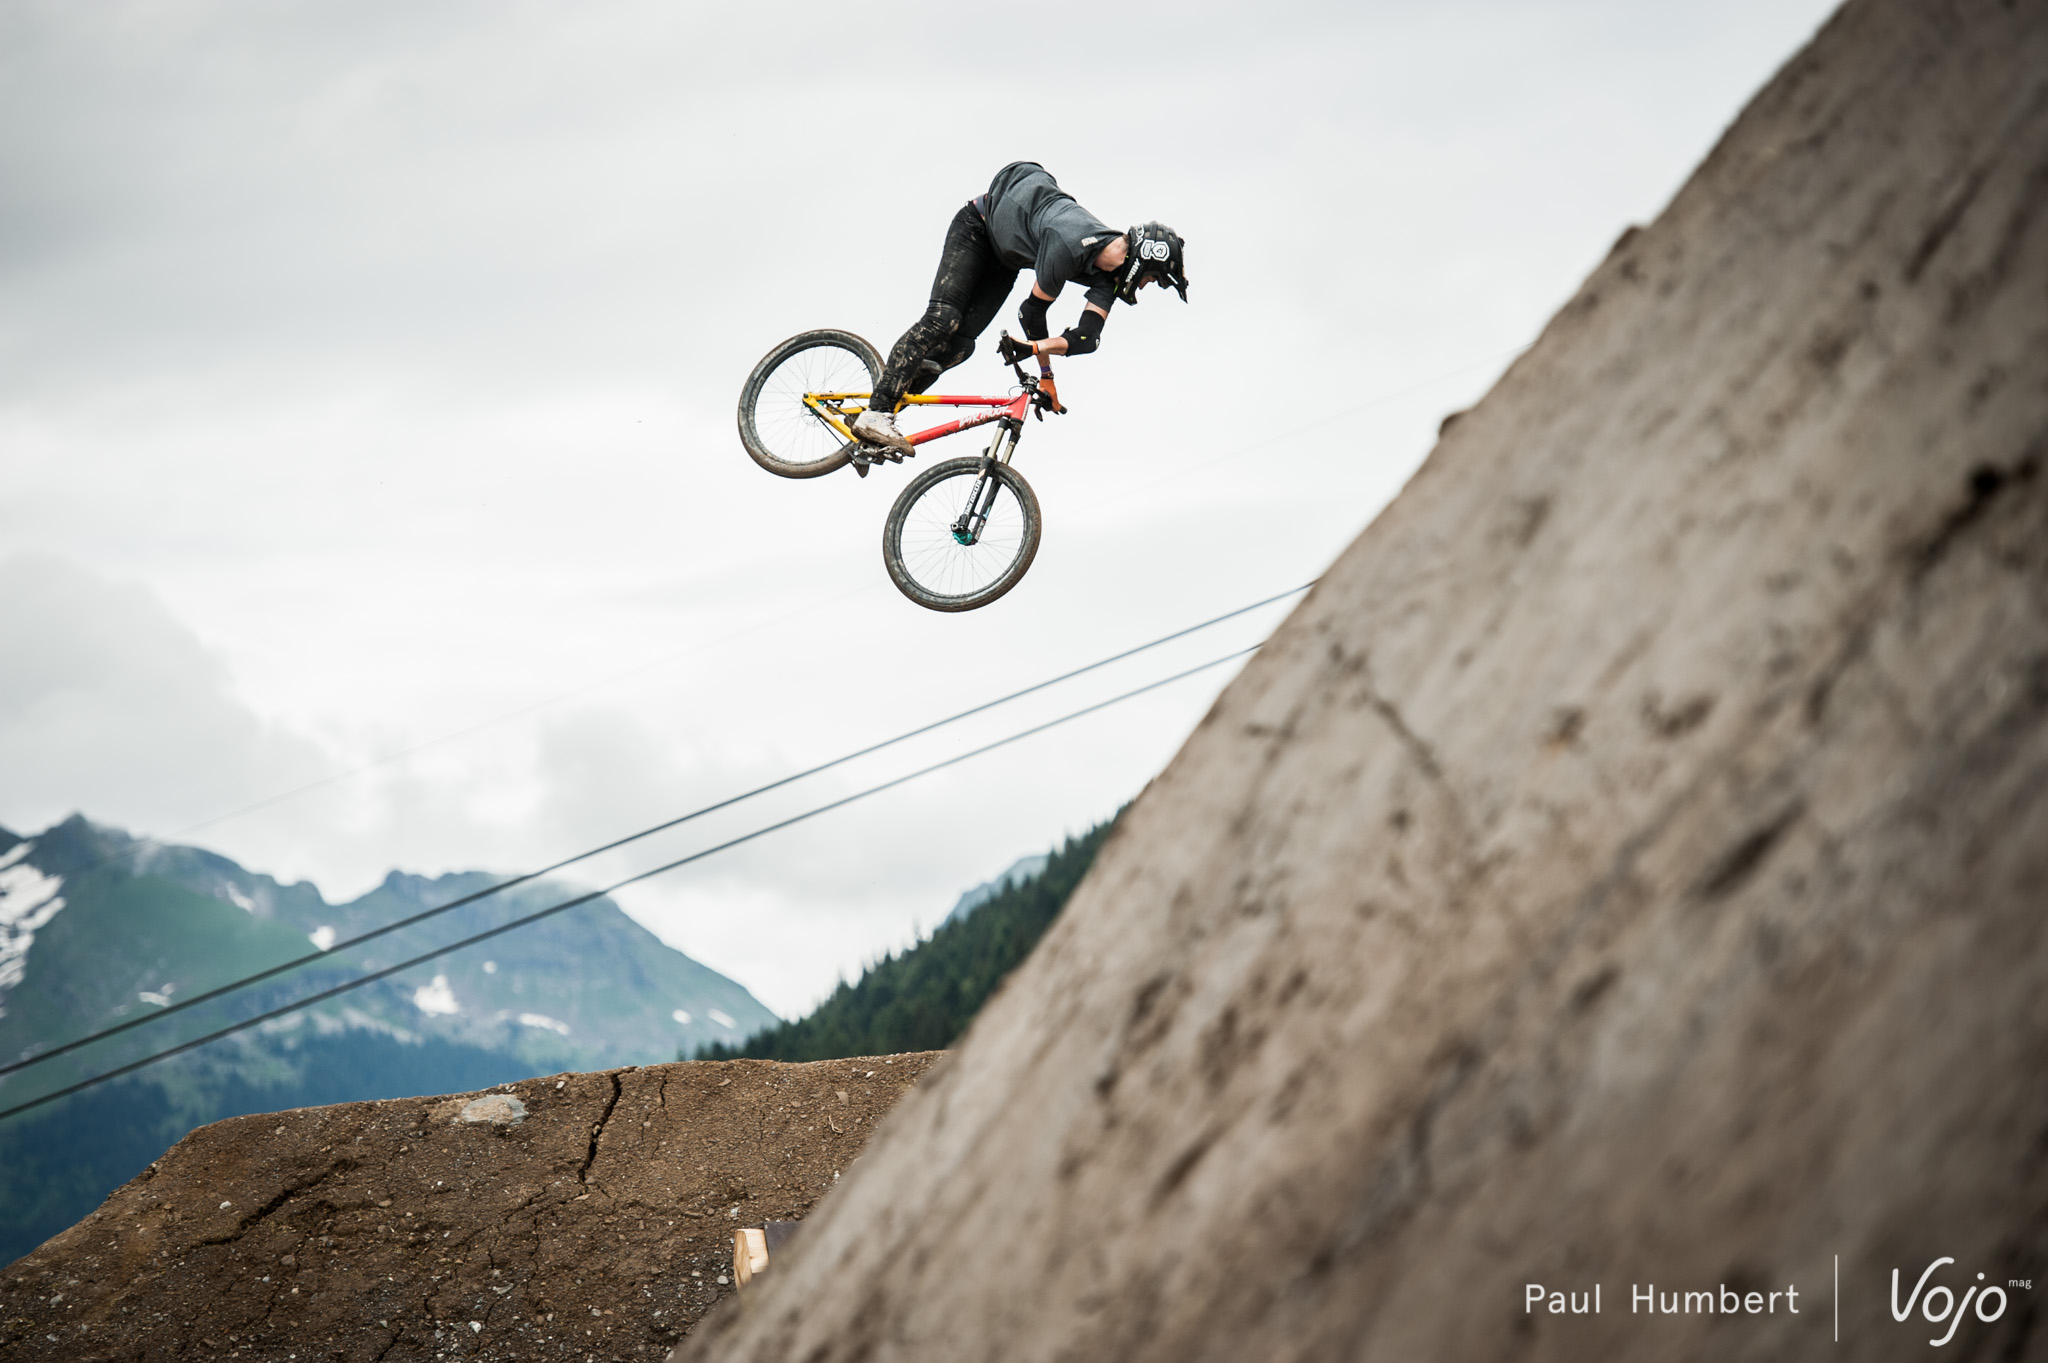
(941, 321)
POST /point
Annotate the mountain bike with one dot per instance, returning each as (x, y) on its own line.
(964, 531)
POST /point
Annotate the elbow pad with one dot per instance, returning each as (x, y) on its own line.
(1032, 316)
(1085, 334)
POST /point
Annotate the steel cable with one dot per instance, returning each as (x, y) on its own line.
(588, 896)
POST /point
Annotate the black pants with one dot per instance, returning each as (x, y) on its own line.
(967, 293)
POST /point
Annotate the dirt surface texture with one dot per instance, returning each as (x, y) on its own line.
(583, 1216)
(1623, 874)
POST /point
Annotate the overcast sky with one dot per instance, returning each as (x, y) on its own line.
(367, 375)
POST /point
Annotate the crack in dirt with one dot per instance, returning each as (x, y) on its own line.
(242, 1226)
(1423, 754)
(597, 1131)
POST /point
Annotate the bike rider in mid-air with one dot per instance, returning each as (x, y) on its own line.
(1025, 219)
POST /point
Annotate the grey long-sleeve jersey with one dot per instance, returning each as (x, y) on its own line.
(1034, 224)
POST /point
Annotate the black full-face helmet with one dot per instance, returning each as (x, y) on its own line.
(1156, 252)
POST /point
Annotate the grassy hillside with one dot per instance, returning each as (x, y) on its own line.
(923, 999)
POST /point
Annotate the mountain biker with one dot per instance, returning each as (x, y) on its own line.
(1025, 219)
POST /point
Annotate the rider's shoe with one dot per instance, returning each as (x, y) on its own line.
(879, 428)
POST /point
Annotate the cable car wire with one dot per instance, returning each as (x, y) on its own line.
(425, 914)
(585, 898)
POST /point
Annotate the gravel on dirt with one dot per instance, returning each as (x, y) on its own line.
(579, 1216)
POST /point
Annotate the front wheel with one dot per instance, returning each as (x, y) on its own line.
(959, 538)
(780, 421)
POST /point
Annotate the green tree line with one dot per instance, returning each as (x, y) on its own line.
(923, 999)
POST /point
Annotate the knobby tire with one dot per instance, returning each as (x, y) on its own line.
(779, 433)
(920, 569)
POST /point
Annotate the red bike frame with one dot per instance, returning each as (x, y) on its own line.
(837, 410)
(1011, 407)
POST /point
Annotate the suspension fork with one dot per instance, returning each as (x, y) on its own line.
(967, 529)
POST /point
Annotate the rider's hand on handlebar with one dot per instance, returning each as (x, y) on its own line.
(1052, 394)
(1013, 350)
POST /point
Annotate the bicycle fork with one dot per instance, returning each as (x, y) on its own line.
(967, 529)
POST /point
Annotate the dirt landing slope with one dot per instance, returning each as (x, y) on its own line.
(597, 1224)
(1626, 868)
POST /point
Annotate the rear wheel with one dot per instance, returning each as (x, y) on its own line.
(952, 546)
(783, 433)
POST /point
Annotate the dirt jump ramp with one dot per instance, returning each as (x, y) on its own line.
(1626, 870)
(574, 1217)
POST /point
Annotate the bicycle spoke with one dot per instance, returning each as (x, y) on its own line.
(942, 565)
(792, 431)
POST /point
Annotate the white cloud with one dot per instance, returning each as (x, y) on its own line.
(109, 705)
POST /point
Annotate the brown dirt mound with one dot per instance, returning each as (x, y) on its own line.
(597, 1225)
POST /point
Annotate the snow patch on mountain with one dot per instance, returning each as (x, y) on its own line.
(28, 900)
(436, 998)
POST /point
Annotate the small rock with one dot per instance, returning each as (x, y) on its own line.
(225, 1205)
(476, 1327)
(499, 1109)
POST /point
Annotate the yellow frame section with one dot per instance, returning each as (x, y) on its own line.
(818, 403)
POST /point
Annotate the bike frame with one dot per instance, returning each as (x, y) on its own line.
(827, 407)
(1008, 412)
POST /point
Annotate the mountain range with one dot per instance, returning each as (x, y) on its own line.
(98, 927)
(1016, 873)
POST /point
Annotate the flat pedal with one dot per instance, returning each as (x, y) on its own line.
(864, 456)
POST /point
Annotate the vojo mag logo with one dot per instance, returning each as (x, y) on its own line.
(1950, 1311)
